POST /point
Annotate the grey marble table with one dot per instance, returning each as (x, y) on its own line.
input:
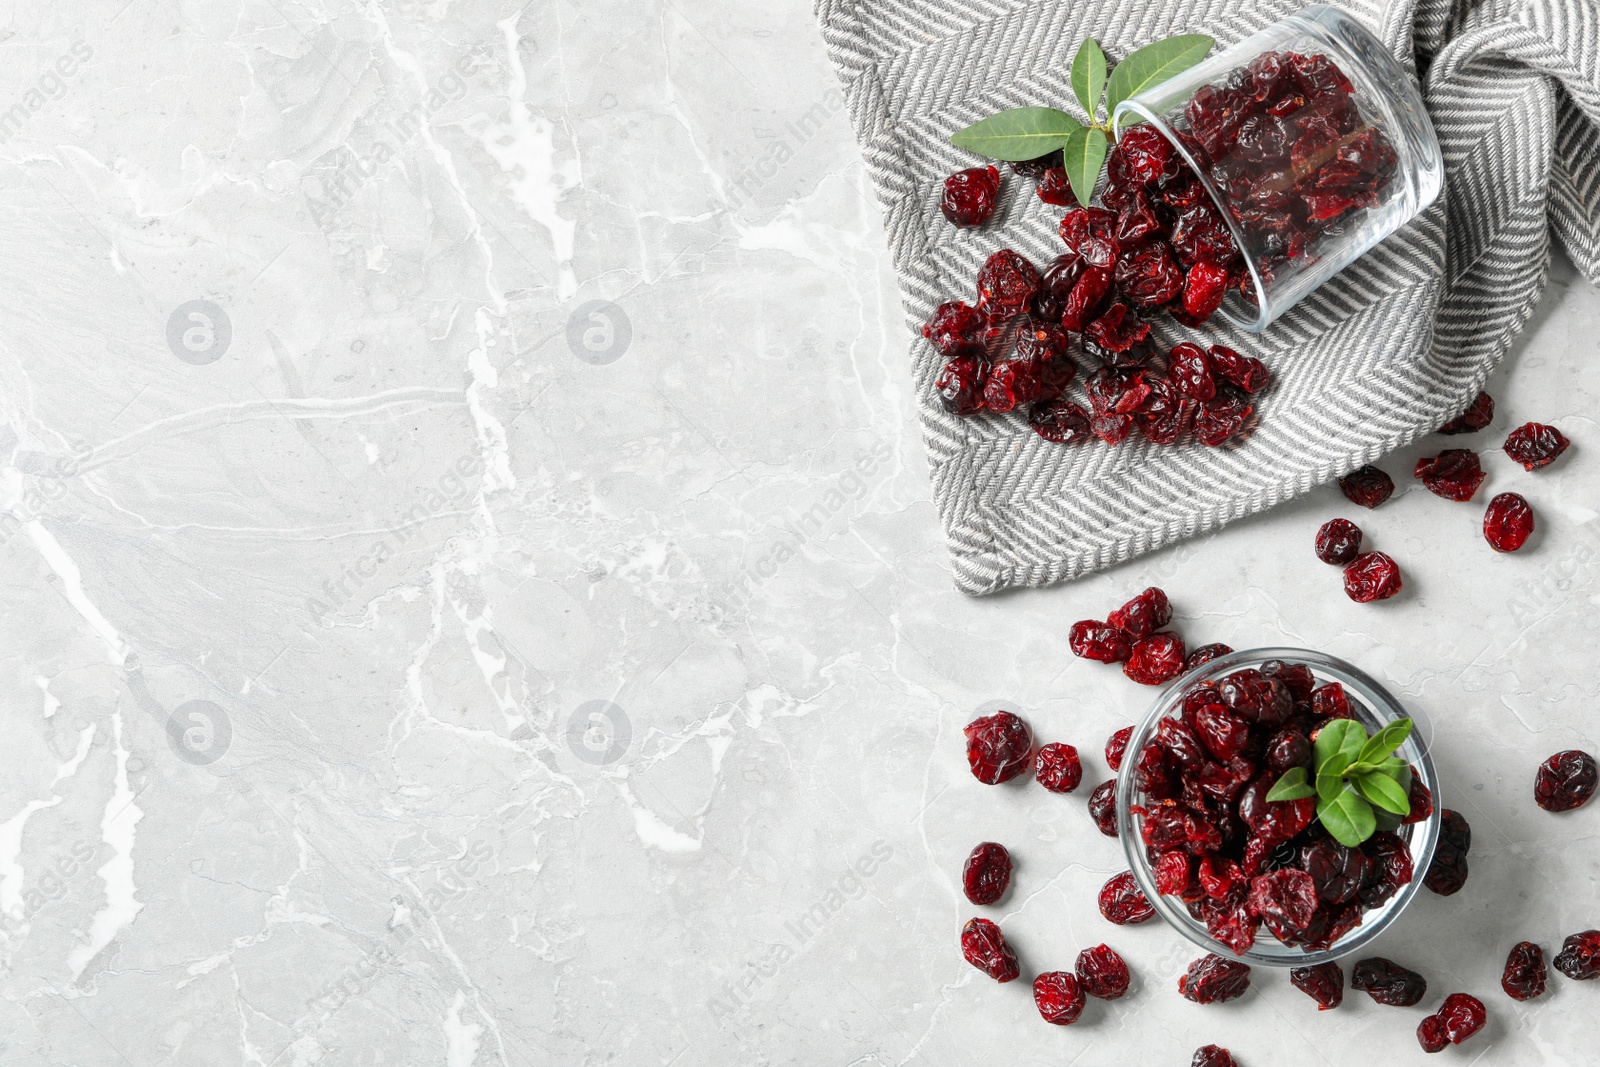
(473, 596)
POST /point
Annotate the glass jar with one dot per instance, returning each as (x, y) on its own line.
(1373, 707)
(1312, 143)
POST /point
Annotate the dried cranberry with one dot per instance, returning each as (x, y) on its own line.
(986, 873)
(1212, 1056)
(1579, 958)
(1057, 768)
(1115, 395)
(1448, 871)
(1430, 1034)
(1212, 979)
(1087, 297)
(1055, 286)
(1032, 168)
(1284, 900)
(1144, 614)
(1336, 870)
(1117, 329)
(1203, 289)
(1323, 983)
(1565, 781)
(1164, 416)
(1172, 872)
(1420, 798)
(1061, 421)
(953, 327)
(1224, 733)
(1246, 372)
(1189, 369)
(1102, 973)
(1007, 284)
(1205, 654)
(1338, 541)
(1479, 414)
(1053, 187)
(1296, 677)
(1525, 975)
(1391, 868)
(1387, 982)
(1149, 275)
(970, 196)
(1116, 745)
(999, 747)
(1367, 486)
(1219, 877)
(1122, 903)
(1059, 997)
(1372, 576)
(1155, 660)
(1090, 234)
(961, 385)
(1454, 474)
(1330, 702)
(1288, 748)
(984, 946)
(1011, 384)
(1100, 641)
(1508, 523)
(1103, 807)
(1222, 417)
(1147, 154)
(1136, 219)
(1536, 445)
(1461, 1016)
(1153, 773)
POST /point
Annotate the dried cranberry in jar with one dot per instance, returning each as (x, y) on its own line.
(1172, 871)
(1007, 284)
(1102, 973)
(1508, 523)
(984, 946)
(1057, 768)
(1454, 474)
(961, 385)
(1059, 997)
(1221, 731)
(1176, 737)
(1579, 958)
(1147, 155)
(1330, 702)
(1213, 980)
(1525, 975)
(1116, 745)
(1448, 871)
(1103, 807)
(1367, 486)
(1479, 414)
(1205, 654)
(1536, 445)
(1288, 748)
(1390, 870)
(1336, 870)
(970, 196)
(1144, 614)
(1296, 677)
(1060, 421)
(1212, 1056)
(986, 873)
(1103, 642)
(1155, 660)
(1338, 541)
(1421, 800)
(1204, 288)
(1565, 781)
(1323, 983)
(1122, 903)
(1219, 877)
(1372, 576)
(999, 747)
(1386, 982)
(1284, 900)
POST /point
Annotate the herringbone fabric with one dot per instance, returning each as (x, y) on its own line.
(1390, 349)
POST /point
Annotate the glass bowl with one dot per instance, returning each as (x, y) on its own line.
(1370, 704)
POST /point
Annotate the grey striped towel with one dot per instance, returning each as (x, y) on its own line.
(1389, 350)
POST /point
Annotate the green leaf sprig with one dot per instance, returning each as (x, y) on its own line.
(1023, 133)
(1360, 784)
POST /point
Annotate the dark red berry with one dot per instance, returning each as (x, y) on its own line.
(1330, 702)
(1288, 748)
(1386, 982)
(986, 873)
(1155, 660)
(1461, 1016)
(1061, 421)
(1454, 474)
(1032, 168)
(1116, 745)
(1284, 900)
(970, 196)
(1148, 154)
(1338, 541)
(1086, 299)
(1059, 997)
(1205, 654)
(1579, 958)
(1508, 523)
(1525, 975)
(1090, 234)
(1006, 284)
(984, 946)
(1122, 903)
(1189, 369)
(1536, 445)
(1172, 872)
(1223, 416)
(1053, 187)
(1390, 869)
(1430, 1034)
(1057, 768)
(1246, 372)
(1479, 414)
(1012, 383)
(1102, 973)
(1149, 275)
(1144, 614)
(1337, 871)
(1221, 731)
(961, 385)
(1372, 576)
(1367, 486)
(1212, 979)
(1117, 329)
(1203, 290)
(1448, 871)
(1212, 1056)
(953, 327)
(1323, 983)
(999, 747)
(1420, 798)
(1565, 781)
(1055, 286)
(1099, 641)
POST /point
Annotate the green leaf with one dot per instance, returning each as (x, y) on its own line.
(1383, 792)
(1089, 75)
(1020, 133)
(1347, 817)
(1292, 786)
(1085, 153)
(1386, 741)
(1155, 63)
(1341, 736)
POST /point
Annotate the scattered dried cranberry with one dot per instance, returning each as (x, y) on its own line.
(1102, 973)
(1099, 641)
(1536, 445)
(1454, 474)
(1461, 1016)
(1116, 745)
(1103, 807)
(999, 747)
(1430, 1034)
(1579, 958)
(1059, 997)
(1372, 576)
(986, 873)
(1508, 523)
(1189, 370)
(1205, 654)
(1367, 486)
(1246, 372)
(953, 327)
(1053, 187)
(984, 946)
(1213, 980)
(1155, 660)
(1525, 975)
(1387, 982)
(1144, 614)
(1057, 768)
(1479, 414)
(1122, 903)
(1448, 871)
(961, 385)
(1223, 416)
(1338, 542)
(1006, 284)
(1061, 421)
(1033, 168)
(970, 196)
(1565, 781)
(1323, 983)
(1212, 1056)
